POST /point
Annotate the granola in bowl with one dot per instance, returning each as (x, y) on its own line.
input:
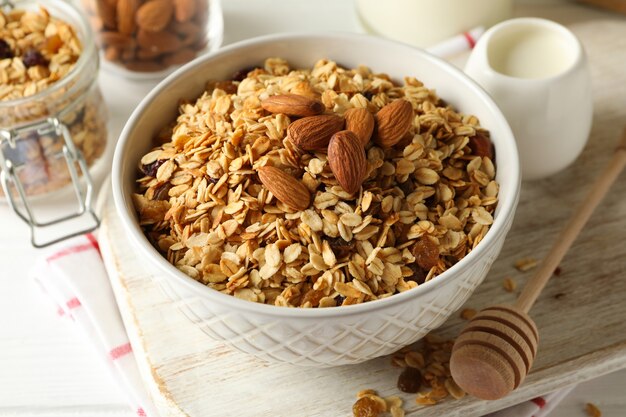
(273, 186)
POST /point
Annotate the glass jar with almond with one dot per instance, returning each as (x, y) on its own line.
(148, 38)
(53, 120)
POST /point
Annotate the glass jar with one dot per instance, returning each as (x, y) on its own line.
(149, 38)
(53, 121)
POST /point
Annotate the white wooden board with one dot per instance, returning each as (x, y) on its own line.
(581, 314)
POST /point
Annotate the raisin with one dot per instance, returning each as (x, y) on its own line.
(368, 95)
(481, 145)
(243, 73)
(212, 180)
(162, 191)
(373, 209)
(340, 299)
(5, 50)
(53, 44)
(312, 296)
(419, 276)
(151, 169)
(229, 87)
(410, 380)
(558, 271)
(33, 57)
(367, 407)
(407, 187)
(426, 253)
(340, 246)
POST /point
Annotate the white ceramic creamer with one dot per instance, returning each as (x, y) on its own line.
(537, 72)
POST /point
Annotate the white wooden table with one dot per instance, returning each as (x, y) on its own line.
(47, 370)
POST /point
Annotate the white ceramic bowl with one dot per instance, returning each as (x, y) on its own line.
(332, 336)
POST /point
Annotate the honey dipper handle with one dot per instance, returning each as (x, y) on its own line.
(568, 235)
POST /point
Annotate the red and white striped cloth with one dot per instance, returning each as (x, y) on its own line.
(72, 274)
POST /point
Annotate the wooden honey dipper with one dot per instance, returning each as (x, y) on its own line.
(496, 349)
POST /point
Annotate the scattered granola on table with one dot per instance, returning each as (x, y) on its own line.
(426, 373)
(369, 404)
(431, 360)
(593, 410)
(468, 313)
(258, 192)
(525, 264)
(509, 284)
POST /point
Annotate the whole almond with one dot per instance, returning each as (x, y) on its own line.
(293, 105)
(154, 15)
(180, 57)
(144, 54)
(185, 9)
(110, 38)
(161, 42)
(111, 53)
(361, 122)
(107, 13)
(405, 140)
(314, 132)
(285, 188)
(392, 122)
(346, 157)
(189, 32)
(126, 10)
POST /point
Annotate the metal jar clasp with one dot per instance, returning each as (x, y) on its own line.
(20, 204)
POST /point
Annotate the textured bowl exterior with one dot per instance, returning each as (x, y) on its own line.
(340, 341)
(333, 336)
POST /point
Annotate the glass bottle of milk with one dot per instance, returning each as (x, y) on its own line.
(424, 23)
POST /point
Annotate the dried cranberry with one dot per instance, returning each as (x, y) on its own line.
(33, 57)
(5, 50)
(243, 73)
(151, 169)
(410, 380)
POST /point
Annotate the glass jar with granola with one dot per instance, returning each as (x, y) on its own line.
(53, 120)
(148, 38)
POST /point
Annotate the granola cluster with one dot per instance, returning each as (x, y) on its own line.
(423, 205)
(425, 372)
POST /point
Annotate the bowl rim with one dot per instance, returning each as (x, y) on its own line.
(123, 202)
